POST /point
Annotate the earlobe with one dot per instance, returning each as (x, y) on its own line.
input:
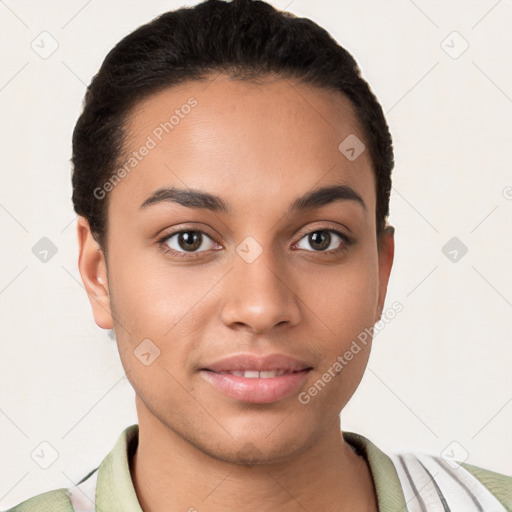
(93, 271)
(386, 251)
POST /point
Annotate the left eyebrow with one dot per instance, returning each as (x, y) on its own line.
(325, 195)
(193, 198)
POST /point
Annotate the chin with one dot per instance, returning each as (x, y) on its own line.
(259, 448)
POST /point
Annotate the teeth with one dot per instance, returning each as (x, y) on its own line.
(274, 373)
(252, 374)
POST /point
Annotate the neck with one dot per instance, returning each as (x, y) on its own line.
(166, 469)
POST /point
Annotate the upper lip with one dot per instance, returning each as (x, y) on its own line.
(261, 363)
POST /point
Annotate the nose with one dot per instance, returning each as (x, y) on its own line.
(258, 295)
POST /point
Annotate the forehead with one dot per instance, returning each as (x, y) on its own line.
(229, 136)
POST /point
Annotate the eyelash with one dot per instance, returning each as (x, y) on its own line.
(347, 242)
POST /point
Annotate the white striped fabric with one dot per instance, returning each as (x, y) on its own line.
(431, 484)
(83, 496)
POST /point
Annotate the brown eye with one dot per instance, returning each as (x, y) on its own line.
(188, 241)
(322, 240)
(319, 240)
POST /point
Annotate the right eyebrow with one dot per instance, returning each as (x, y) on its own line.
(191, 198)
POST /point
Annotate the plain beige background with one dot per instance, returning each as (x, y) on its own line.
(438, 379)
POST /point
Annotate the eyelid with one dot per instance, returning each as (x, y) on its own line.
(325, 227)
(183, 227)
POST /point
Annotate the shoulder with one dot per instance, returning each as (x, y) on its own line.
(82, 496)
(418, 481)
(431, 479)
(497, 483)
(51, 501)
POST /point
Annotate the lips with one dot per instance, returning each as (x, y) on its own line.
(256, 363)
(257, 379)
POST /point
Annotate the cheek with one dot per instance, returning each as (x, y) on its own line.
(343, 300)
(343, 308)
(156, 310)
(153, 297)
(169, 305)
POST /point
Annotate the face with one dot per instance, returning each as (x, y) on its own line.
(194, 279)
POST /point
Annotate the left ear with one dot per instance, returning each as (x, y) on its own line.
(386, 250)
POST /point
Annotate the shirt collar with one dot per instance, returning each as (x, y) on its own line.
(390, 496)
(115, 491)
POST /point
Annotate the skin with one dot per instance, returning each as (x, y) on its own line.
(258, 148)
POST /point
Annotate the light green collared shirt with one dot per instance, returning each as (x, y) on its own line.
(404, 482)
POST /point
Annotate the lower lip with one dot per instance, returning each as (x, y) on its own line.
(256, 391)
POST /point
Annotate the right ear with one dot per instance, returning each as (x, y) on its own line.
(93, 270)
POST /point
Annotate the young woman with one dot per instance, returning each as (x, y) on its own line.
(232, 173)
